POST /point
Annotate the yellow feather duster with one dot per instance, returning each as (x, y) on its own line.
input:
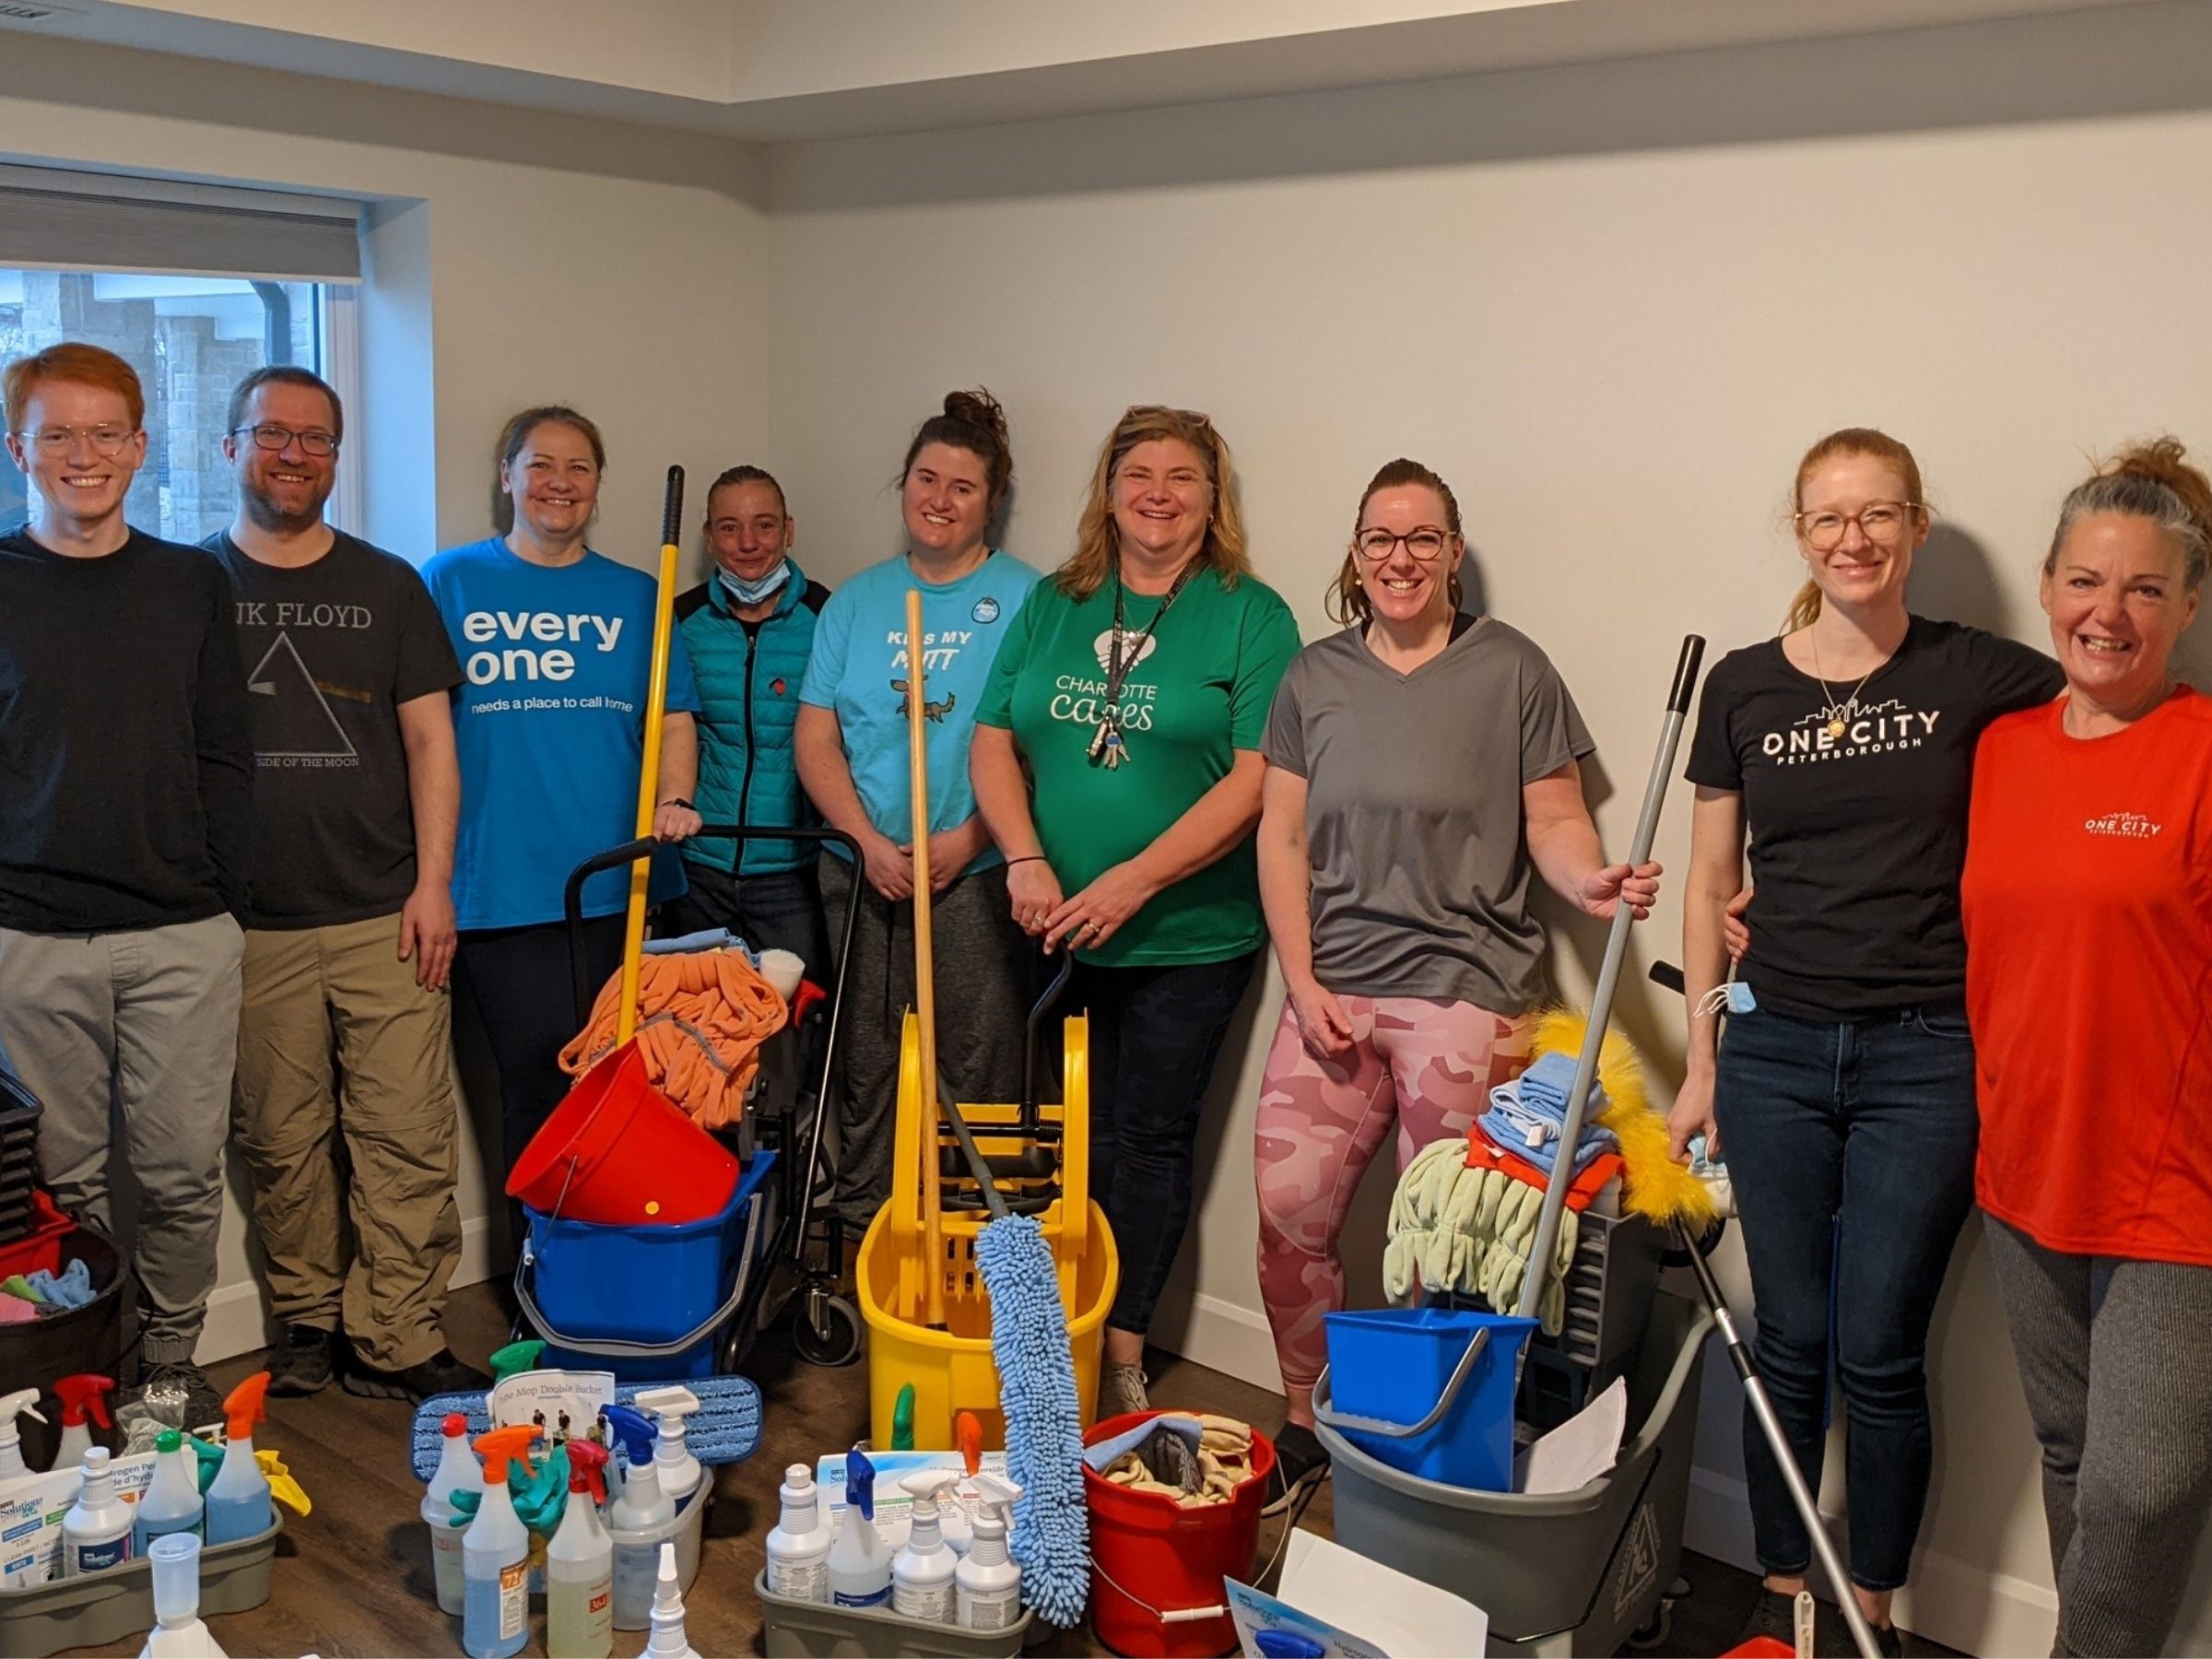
(1653, 1184)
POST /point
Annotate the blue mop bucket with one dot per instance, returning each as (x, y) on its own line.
(1428, 1391)
(646, 1302)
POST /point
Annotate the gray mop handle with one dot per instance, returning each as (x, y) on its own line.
(1608, 977)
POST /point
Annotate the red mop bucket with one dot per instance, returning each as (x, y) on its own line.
(1152, 1557)
(620, 1153)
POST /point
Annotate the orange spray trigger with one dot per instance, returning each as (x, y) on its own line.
(967, 1430)
(245, 1406)
(587, 1468)
(499, 1447)
(84, 1394)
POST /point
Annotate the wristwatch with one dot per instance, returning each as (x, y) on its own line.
(679, 801)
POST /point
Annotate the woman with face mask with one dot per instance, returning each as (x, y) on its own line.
(2087, 903)
(748, 630)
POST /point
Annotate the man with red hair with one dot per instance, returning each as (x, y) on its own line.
(126, 778)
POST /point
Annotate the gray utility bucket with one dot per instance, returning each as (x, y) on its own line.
(1568, 1573)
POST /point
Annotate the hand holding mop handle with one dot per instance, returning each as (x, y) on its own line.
(649, 776)
(1608, 977)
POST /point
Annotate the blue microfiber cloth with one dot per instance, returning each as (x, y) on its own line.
(1051, 1541)
(1101, 1456)
(1527, 1114)
(723, 1430)
(73, 1288)
(1546, 1084)
(706, 939)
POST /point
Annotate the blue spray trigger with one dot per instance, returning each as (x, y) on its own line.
(633, 1428)
(860, 1485)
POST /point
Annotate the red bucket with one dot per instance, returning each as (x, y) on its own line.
(620, 1153)
(1151, 1556)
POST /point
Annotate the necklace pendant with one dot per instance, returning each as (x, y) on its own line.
(1835, 728)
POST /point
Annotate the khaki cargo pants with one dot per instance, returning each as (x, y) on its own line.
(341, 1055)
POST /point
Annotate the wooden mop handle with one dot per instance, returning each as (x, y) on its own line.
(648, 775)
(925, 990)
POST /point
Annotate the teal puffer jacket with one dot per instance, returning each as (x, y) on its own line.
(748, 676)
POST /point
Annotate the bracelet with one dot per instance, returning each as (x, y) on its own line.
(1026, 858)
(679, 801)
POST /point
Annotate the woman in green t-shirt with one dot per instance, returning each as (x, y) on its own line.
(1116, 762)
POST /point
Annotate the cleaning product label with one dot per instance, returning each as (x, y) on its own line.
(931, 1604)
(100, 1557)
(801, 1580)
(995, 1610)
(875, 1600)
(514, 1599)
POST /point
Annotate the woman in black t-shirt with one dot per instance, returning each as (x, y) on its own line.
(1842, 1093)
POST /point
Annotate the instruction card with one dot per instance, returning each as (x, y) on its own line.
(1354, 1608)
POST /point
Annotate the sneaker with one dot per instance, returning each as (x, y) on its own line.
(300, 1363)
(177, 1395)
(1835, 1636)
(1300, 1464)
(1774, 1616)
(441, 1373)
(1121, 1390)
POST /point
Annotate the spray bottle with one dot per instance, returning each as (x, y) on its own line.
(495, 1618)
(80, 1395)
(987, 1585)
(798, 1544)
(238, 1497)
(457, 1471)
(860, 1565)
(921, 1575)
(679, 1471)
(668, 1640)
(96, 1533)
(640, 1519)
(177, 1632)
(172, 1502)
(12, 1466)
(580, 1564)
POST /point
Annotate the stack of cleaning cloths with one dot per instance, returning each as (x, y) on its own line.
(44, 1292)
(1528, 1116)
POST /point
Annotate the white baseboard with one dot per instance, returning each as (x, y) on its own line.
(1231, 1339)
(238, 1323)
(1995, 1615)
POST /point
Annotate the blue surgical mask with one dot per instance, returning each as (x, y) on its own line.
(753, 593)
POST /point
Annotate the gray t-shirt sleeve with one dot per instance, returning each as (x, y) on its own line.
(1552, 732)
(1285, 743)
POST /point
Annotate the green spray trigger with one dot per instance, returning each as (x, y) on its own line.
(902, 1420)
(516, 1357)
(210, 1459)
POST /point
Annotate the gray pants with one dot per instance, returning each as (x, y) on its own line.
(145, 1023)
(2118, 1376)
(983, 967)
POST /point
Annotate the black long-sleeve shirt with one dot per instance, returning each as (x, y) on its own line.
(126, 763)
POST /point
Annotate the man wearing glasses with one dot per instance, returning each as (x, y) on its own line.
(125, 810)
(349, 919)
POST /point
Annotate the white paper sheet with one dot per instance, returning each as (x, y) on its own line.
(1579, 1450)
(1357, 1609)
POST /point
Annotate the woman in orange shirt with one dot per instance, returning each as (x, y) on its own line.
(2088, 902)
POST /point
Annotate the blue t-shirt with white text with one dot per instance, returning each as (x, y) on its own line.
(858, 670)
(549, 721)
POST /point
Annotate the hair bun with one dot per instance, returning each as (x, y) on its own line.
(2164, 461)
(978, 408)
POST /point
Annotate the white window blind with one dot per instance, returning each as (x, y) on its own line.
(54, 218)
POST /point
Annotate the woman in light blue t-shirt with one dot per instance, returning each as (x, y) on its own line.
(555, 648)
(853, 755)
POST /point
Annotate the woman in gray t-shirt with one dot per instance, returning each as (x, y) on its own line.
(1396, 877)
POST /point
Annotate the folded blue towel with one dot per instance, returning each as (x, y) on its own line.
(73, 1288)
(1101, 1456)
(1546, 1083)
(1529, 1128)
(706, 939)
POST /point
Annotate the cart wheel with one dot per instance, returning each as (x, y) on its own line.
(1652, 1634)
(827, 1332)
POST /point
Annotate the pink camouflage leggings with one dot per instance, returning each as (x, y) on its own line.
(1431, 1064)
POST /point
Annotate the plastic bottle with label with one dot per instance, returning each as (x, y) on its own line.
(859, 1563)
(458, 1471)
(580, 1565)
(172, 1502)
(494, 1556)
(640, 1520)
(921, 1575)
(798, 1544)
(238, 1505)
(96, 1533)
(987, 1585)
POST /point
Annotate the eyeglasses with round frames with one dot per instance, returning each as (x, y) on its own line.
(107, 441)
(1425, 544)
(273, 436)
(1881, 521)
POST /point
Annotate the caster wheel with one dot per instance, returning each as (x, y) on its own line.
(1651, 1635)
(827, 1332)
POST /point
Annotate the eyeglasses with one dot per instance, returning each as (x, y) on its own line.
(277, 436)
(1878, 522)
(1427, 544)
(57, 441)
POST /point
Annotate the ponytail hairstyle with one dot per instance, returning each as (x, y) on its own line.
(1851, 441)
(2150, 480)
(1348, 603)
(515, 435)
(972, 421)
(1098, 543)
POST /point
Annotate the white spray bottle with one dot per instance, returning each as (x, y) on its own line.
(580, 1565)
(987, 1585)
(177, 1632)
(458, 1470)
(668, 1640)
(860, 1564)
(640, 1520)
(798, 1544)
(672, 1461)
(23, 1400)
(96, 1533)
(922, 1576)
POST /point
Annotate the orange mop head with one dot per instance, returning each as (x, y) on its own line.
(1653, 1184)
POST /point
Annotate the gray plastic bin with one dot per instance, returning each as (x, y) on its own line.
(110, 1606)
(806, 1630)
(1568, 1573)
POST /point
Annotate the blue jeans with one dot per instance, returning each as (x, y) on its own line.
(1850, 1147)
(781, 910)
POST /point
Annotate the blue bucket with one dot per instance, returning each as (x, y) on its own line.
(598, 1294)
(1390, 1369)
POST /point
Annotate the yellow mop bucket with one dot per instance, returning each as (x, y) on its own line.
(951, 1370)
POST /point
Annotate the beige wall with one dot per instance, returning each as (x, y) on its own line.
(517, 259)
(1612, 304)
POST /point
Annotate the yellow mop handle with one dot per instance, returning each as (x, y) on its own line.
(649, 776)
(925, 990)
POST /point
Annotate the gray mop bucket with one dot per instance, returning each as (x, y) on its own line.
(1566, 1573)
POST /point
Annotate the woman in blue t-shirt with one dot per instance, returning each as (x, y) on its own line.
(556, 647)
(851, 747)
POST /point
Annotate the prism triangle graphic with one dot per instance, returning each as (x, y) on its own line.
(291, 717)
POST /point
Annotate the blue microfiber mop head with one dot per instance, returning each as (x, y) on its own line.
(722, 1431)
(1051, 1541)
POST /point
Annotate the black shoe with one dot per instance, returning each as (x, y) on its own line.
(1300, 1464)
(1774, 1616)
(177, 1395)
(441, 1373)
(1835, 1636)
(301, 1362)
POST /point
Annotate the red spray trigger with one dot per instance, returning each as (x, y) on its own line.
(82, 1394)
(587, 1468)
